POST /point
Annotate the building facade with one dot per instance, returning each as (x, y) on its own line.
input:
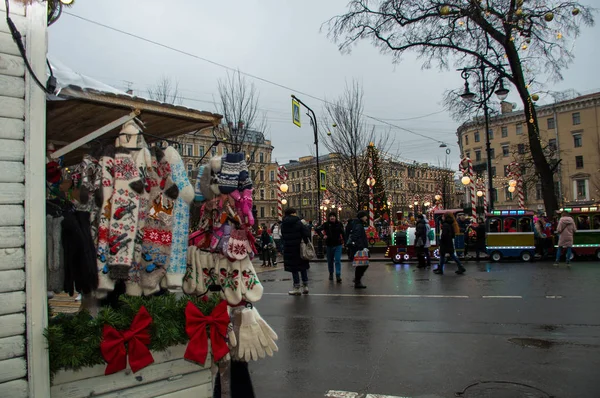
(404, 184)
(193, 148)
(570, 136)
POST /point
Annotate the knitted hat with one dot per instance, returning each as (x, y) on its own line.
(230, 172)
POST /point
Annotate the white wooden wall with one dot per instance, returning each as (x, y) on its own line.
(22, 123)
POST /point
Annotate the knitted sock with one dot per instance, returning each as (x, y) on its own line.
(150, 278)
(124, 216)
(103, 197)
(229, 175)
(191, 274)
(252, 289)
(229, 279)
(181, 219)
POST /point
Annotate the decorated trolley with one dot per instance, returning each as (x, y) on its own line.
(586, 241)
(402, 244)
(510, 235)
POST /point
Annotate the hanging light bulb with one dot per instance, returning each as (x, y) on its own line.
(480, 193)
(512, 183)
(511, 189)
(67, 2)
(466, 180)
(283, 201)
(549, 16)
(575, 11)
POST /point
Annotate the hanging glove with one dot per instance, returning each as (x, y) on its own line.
(268, 336)
(249, 344)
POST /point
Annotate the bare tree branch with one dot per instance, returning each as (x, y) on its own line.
(166, 90)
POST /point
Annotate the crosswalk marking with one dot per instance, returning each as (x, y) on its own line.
(347, 394)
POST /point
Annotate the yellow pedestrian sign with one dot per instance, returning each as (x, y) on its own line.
(296, 113)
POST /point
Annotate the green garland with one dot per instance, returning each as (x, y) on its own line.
(74, 340)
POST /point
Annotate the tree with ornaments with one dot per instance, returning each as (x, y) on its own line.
(380, 206)
(523, 44)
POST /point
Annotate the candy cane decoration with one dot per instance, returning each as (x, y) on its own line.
(468, 172)
(481, 186)
(371, 204)
(514, 172)
(281, 178)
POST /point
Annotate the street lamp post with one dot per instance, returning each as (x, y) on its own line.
(313, 121)
(468, 96)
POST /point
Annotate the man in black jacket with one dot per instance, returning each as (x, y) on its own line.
(358, 241)
(421, 240)
(334, 238)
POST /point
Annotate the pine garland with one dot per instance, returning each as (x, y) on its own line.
(74, 340)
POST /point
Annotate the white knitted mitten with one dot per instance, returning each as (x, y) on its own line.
(249, 345)
(268, 336)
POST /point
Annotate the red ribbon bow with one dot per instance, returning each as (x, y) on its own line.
(137, 339)
(195, 327)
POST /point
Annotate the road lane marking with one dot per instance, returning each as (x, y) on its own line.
(554, 297)
(347, 394)
(376, 295)
(502, 297)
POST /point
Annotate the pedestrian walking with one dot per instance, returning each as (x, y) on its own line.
(421, 240)
(276, 231)
(480, 245)
(540, 237)
(448, 232)
(265, 239)
(293, 232)
(334, 235)
(347, 233)
(358, 241)
(566, 229)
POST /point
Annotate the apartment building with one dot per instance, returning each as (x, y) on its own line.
(263, 171)
(570, 136)
(404, 184)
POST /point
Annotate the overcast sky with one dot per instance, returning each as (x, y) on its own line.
(281, 41)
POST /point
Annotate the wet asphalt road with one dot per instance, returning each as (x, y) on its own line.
(416, 334)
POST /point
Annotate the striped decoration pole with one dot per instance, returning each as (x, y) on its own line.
(281, 178)
(468, 172)
(515, 173)
(371, 184)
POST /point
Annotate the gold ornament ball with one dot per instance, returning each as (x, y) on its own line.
(519, 12)
(549, 17)
(535, 97)
(575, 11)
(531, 120)
(445, 10)
(524, 47)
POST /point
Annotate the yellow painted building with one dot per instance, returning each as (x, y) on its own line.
(570, 136)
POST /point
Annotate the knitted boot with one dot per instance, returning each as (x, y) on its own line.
(103, 197)
(181, 218)
(190, 279)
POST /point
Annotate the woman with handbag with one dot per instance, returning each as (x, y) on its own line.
(294, 233)
(358, 248)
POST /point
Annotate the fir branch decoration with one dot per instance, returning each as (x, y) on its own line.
(74, 340)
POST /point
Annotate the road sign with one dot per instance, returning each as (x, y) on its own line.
(296, 113)
(322, 180)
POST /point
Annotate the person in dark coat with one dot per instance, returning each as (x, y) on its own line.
(293, 231)
(358, 241)
(421, 240)
(265, 239)
(480, 239)
(334, 239)
(449, 231)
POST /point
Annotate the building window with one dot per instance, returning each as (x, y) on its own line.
(579, 162)
(253, 175)
(262, 175)
(521, 149)
(507, 194)
(262, 212)
(304, 173)
(551, 123)
(468, 154)
(581, 188)
(272, 175)
(504, 131)
(272, 194)
(272, 211)
(576, 118)
(538, 191)
(493, 171)
(466, 139)
(189, 150)
(200, 150)
(224, 149)
(477, 136)
(213, 151)
(190, 169)
(478, 156)
(505, 151)
(494, 195)
(552, 144)
(491, 134)
(519, 129)
(262, 194)
(577, 140)
(261, 157)
(492, 153)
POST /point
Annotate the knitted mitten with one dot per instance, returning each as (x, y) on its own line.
(206, 181)
(269, 334)
(229, 279)
(229, 175)
(124, 215)
(243, 204)
(199, 196)
(215, 164)
(249, 340)
(103, 197)
(245, 182)
(237, 247)
(190, 279)
(181, 219)
(205, 271)
(252, 289)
